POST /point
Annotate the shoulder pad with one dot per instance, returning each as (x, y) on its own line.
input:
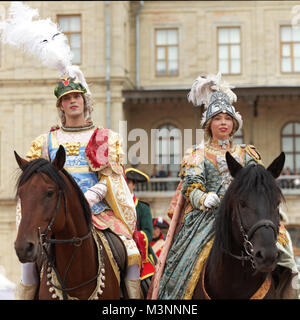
(252, 151)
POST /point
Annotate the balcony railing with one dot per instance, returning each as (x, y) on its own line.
(164, 187)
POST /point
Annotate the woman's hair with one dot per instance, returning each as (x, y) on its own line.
(208, 133)
(88, 108)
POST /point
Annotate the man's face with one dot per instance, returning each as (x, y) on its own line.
(131, 185)
(73, 105)
(156, 232)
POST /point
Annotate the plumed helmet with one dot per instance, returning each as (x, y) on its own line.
(216, 96)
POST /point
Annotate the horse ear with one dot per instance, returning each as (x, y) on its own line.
(21, 162)
(277, 165)
(60, 158)
(233, 166)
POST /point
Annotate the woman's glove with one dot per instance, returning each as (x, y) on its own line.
(211, 200)
(96, 193)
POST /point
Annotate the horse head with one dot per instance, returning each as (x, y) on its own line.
(253, 199)
(39, 188)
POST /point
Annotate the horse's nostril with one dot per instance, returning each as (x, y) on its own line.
(258, 255)
(30, 248)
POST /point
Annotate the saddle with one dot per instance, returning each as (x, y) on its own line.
(114, 248)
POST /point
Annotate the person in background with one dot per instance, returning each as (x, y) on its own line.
(144, 232)
(160, 227)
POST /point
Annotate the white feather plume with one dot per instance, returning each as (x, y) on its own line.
(40, 38)
(203, 88)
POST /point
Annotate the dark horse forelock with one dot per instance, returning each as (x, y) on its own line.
(38, 166)
(251, 179)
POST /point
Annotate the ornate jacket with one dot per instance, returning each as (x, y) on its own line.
(94, 155)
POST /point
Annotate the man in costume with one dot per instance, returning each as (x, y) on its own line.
(93, 154)
(94, 159)
(204, 179)
(158, 239)
(144, 228)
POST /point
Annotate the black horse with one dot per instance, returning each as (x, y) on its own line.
(244, 251)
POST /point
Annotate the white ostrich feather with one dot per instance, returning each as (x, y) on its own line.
(40, 38)
(203, 88)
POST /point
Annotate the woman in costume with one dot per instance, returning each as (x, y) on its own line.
(204, 180)
(93, 154)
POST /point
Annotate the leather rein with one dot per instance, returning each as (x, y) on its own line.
(76, 241)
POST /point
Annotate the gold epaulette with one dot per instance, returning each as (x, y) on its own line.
(252, 151)
(35, 151)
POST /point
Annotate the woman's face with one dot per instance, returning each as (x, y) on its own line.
(221, 126)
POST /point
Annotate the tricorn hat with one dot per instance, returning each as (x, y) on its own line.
(160, 223)
(136, 175)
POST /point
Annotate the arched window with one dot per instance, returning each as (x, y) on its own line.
(290, 145)
(168, 150)
(238, 137)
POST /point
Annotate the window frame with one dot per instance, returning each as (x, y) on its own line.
(159, 156)
(293, 135)
(167, 74)
(291, 44)
(229, 54)
(68, 34)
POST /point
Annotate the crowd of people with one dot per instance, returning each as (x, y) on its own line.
(291, 182)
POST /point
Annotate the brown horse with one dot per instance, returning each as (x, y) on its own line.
(56, 220)
(244, 252)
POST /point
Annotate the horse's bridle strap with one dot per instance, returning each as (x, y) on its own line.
(261, 223)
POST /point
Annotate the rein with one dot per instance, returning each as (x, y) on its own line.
(76, 241)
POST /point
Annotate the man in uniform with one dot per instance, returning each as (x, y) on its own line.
(144, 228)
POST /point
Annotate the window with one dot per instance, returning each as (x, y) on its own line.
(71, 27)
(290, 49)
(238, 137)
(168, 149)
(290, 144)
(229, 50)
(166, 52)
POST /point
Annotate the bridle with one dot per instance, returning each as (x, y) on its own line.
(247, 253)
(76, 241)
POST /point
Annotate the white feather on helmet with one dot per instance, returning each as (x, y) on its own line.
(203, 88)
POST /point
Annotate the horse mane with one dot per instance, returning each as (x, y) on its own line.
(252, 178)
(46, 167)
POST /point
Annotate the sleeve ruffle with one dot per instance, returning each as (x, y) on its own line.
(105, 152)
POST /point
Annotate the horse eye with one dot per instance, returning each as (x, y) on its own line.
(243, 204)
(50, 193)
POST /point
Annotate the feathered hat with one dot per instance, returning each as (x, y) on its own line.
(216, 96)
(43, 39)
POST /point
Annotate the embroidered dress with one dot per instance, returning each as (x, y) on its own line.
(203, 170)
(116, 211)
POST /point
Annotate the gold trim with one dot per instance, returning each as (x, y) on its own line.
(134, 259)
(112, 203)
(194, 186)
(78, 169)
(197, 270)
(109, 254)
